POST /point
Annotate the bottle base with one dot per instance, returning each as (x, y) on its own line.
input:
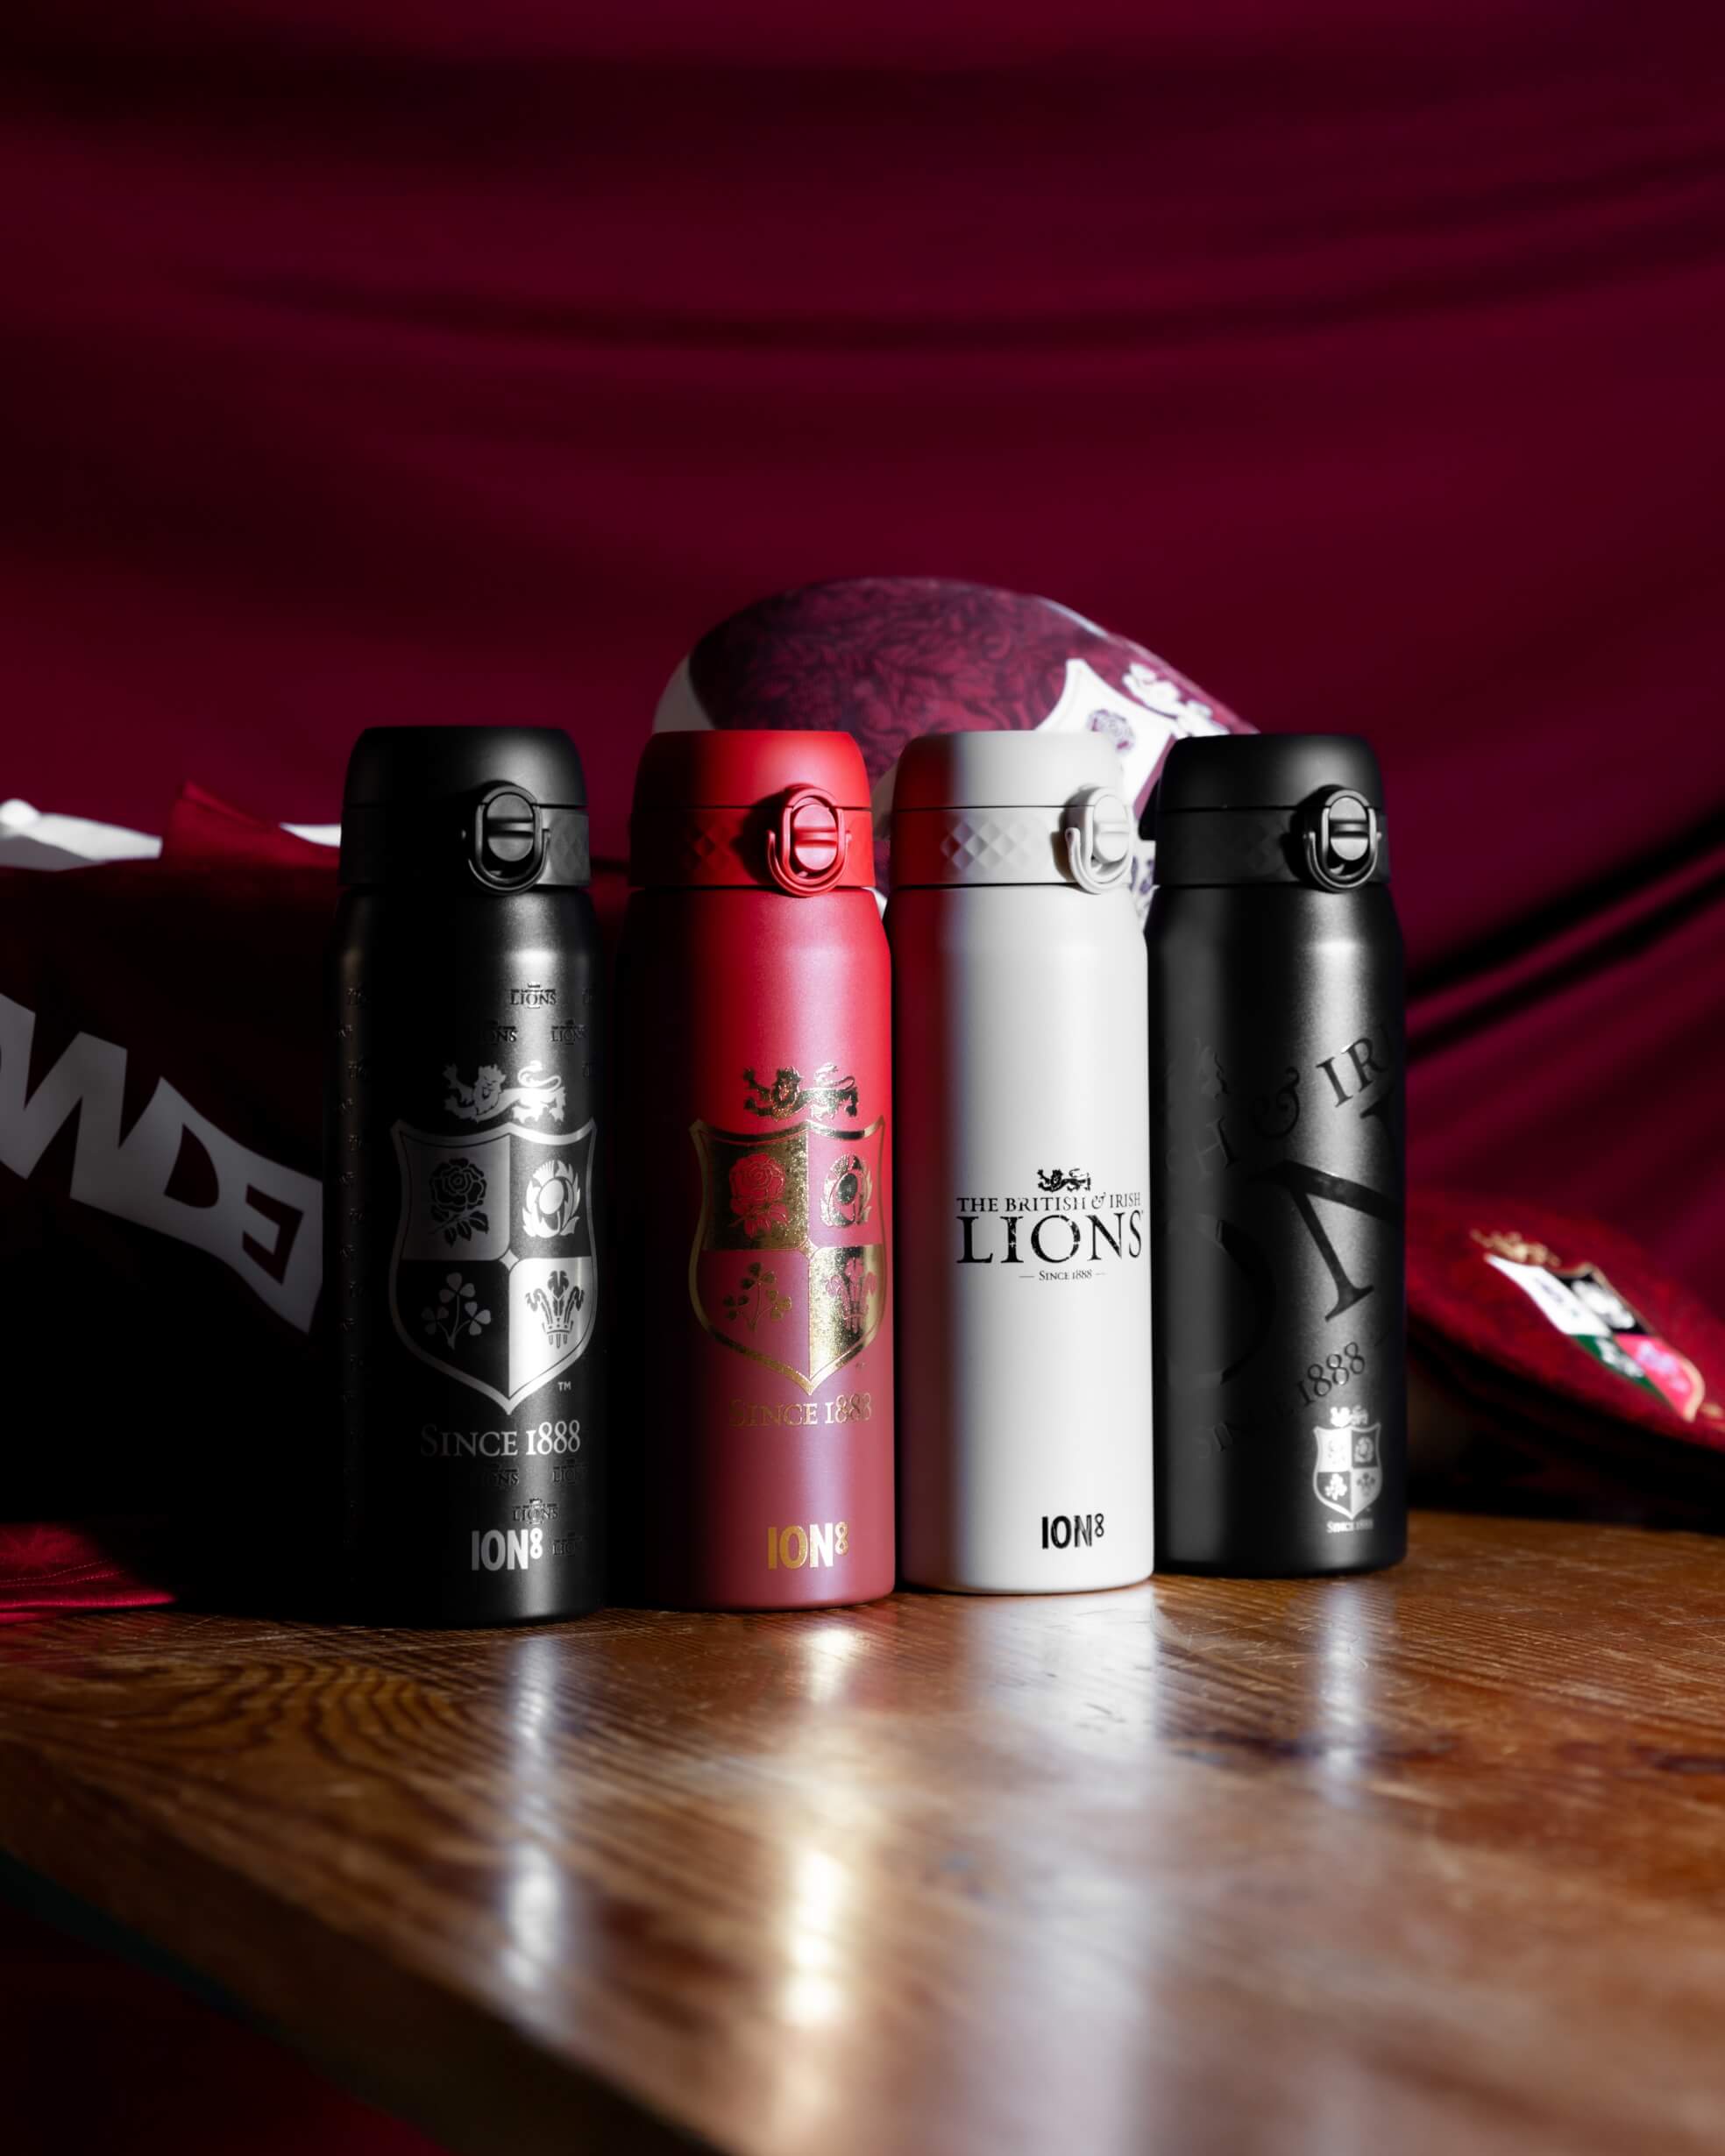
(1029, 1587)
(714, 1608)
(429, 1617)
(1207, 1568)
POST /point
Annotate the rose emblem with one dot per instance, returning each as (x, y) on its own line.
(553, 1198)
(757, 1192)
(458, 1200)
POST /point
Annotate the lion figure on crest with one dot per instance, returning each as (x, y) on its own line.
(530, 1096)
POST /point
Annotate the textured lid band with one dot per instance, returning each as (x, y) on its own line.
(500, 840)
(1305, 845)
(1085, 844)
(800, 843)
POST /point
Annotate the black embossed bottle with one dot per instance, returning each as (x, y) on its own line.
(462, 1258)
(1277, 1235)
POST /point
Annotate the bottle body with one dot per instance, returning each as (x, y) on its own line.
(1277, 1256)
(757, 1204)
(1021, 1054)
(462, 1253)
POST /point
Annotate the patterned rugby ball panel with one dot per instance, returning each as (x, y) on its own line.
(886, 658)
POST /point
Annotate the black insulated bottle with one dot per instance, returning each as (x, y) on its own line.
(1277, 1238)
(462, 1266)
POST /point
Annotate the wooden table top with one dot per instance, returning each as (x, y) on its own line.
(1429, 1860)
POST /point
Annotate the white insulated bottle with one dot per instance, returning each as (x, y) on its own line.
(1022, 1166)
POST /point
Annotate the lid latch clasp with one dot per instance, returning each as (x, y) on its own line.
(1343, 841)
(807, 850)
(1097, 832)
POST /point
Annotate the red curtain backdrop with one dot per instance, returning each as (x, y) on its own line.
(390, 359)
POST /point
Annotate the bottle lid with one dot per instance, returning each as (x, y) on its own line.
(494, 809)
(1272, 808)
(1010, 808)
(776, 811)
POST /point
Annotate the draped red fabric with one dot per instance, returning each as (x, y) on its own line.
(370, 359)
(102, 2054)
(402, 359)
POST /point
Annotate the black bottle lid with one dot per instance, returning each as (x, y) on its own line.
(1272, 808)
(481, 808)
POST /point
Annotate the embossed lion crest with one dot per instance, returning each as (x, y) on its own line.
(530, 1096)
(784, 1094)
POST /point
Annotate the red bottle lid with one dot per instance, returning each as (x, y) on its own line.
(782, 811)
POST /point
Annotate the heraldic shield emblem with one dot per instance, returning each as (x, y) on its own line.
(495, 1280)
(790, 1259)
(1349, 1473)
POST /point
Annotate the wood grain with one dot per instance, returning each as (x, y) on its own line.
(1430, 1860)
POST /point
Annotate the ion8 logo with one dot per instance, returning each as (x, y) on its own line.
(496, 1550)
(823, 1541)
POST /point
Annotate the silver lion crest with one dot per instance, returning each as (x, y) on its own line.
(494, 1279)
(1349, 1473)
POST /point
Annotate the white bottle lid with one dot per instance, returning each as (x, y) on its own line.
(1010, 808)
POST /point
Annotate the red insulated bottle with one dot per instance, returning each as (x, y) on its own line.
(756, 1174)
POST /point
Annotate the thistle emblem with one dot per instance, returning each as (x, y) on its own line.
(555, 1306)
(848, 1193)
(553, 1199)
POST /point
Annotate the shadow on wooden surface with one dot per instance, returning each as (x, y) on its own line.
(1429, 1860)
